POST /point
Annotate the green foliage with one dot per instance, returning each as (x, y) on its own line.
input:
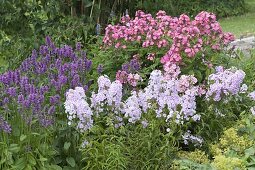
(230, 140)
(222, 8)
(66, 144)
(236, 146)
(226, 163)
(234, 150)
(30, 151)
(71, 21)
(246, 61)
(131, 147)
(197, 156)
(191, 160)
(30, 21)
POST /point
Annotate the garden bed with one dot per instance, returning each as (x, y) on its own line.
(155, 92)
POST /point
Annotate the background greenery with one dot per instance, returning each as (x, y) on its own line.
(25, 23)
(243, 25)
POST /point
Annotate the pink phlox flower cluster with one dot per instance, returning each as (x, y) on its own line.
(224, 83)
(228, 38)
(172, 70)
(177, 35)
(201, 90)
(125, 19)
(185, 82)
(151, 56)
(204, 21)
(130, 30)
(132, 79)
(77, 107)
(122, 76)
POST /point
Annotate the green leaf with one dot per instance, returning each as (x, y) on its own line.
(70, 161)
(57, 160)
(250, 151)
(2, 161)
(22, 137)
(31, 160)
(67, 168)
(251, 164)
(253, 158)
(36, 134)
(56, 167)
(16, 131)
(14, 148)
(198, 75)
(28, 167)
(20, 163)
(42, 159)
(67, 145)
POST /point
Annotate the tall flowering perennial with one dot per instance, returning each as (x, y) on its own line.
(174, 100)
(77, 108)
(177, 37)
(177, 95)
(38, 86)
(109, 93)
(4, 126)
(224, 83)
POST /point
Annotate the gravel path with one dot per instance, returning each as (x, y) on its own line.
(244, 44)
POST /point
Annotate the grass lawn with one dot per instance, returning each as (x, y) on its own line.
(241, 26)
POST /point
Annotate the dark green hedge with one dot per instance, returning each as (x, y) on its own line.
(222, 8)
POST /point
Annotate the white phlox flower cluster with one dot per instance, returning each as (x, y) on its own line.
(77, 107)
(225, 82)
